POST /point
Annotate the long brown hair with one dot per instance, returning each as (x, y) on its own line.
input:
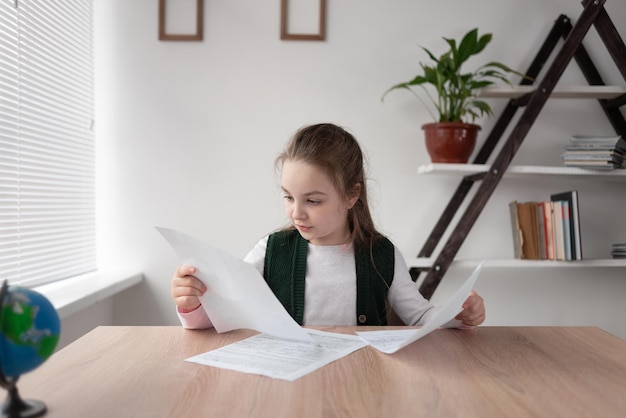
(339, 155)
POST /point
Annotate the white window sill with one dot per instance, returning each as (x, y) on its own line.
(72, 295)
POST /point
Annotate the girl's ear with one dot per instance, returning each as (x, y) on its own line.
(354, 196)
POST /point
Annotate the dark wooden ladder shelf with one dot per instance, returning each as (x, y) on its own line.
(594, 14)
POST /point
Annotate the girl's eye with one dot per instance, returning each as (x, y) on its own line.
(288, 198)
(314, 202)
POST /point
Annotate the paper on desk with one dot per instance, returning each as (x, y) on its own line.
(274, 357)
(237, 295)
(393, 340)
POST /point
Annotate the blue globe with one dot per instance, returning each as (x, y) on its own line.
(29, 331)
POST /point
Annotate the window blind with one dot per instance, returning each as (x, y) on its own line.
(47, 168)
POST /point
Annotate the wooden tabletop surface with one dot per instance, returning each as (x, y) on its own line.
(484, 372)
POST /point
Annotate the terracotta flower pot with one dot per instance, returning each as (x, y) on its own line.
(450, 142)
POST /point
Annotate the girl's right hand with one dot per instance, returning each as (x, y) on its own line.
(186, 289)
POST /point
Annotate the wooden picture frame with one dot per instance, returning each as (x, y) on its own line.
(197, 36)
(284, 24)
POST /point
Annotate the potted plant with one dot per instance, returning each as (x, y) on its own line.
(452, 138)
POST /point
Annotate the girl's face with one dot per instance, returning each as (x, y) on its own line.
(313, 204)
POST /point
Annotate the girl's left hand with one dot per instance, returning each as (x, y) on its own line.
(473, 312)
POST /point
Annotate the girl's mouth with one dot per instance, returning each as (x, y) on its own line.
(303, 228)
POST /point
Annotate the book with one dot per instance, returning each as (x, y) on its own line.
(595, 139)
(591, 146)
(541, 231)
(527, 218)
(557, 222)
(600, 165)
(618, 250)
(571, 197)
(615, 156)
(567, 243)
(525, 230)
(548, 230)
(515, 230)
(592, 151)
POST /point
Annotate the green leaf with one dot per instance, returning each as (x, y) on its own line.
(467, 47)
(482, 43)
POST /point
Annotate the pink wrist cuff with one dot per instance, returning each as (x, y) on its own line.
(183, 310)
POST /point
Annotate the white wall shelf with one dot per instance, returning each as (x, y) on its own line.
(508, 263)
(559, 92)
(519, 170)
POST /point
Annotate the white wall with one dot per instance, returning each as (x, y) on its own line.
(187, 133)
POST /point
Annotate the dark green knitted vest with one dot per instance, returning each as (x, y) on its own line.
(285, 269)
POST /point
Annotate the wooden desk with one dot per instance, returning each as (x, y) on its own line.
(485, 372)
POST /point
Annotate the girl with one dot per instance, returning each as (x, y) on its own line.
(330, 266)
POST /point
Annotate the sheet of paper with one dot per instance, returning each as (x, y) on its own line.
(275, 357)
(393, 340)
(238, 296)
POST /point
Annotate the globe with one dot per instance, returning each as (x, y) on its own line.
(29, 333)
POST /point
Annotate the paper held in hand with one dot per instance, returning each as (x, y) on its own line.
(238, 296)
(392, 341)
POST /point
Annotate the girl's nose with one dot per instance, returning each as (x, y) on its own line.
(297, 212)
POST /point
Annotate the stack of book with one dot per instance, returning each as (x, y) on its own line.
(548, 230)
(618, 250)
(597, 152)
